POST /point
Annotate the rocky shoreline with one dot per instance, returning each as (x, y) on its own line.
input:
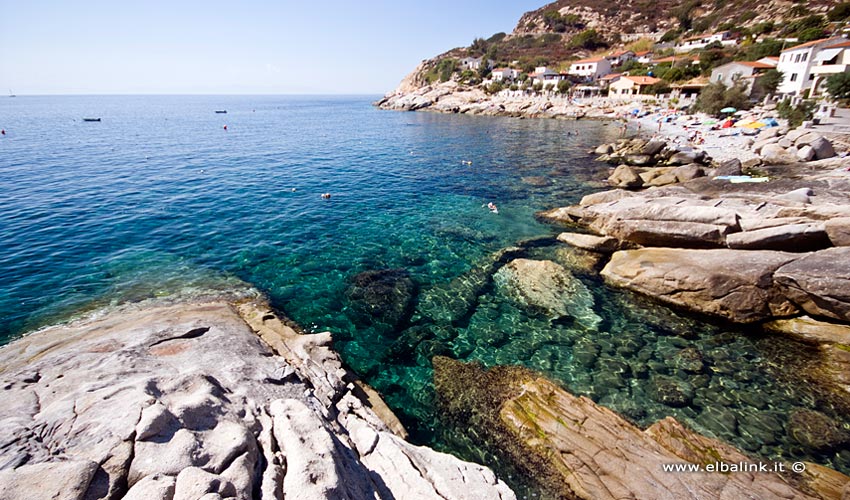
(205, 399)
(455, 98)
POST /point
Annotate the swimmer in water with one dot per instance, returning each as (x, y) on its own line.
(326, 196)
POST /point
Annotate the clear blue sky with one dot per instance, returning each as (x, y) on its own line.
(233, 47)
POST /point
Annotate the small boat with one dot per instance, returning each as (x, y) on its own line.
(11, 94)
(221, 111)
(91, 119)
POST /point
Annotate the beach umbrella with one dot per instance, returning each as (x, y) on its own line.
(728, 110)
(727, 124)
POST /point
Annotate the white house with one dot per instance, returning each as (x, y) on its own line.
(545, 75)
(830, 60)
(796, 62)
(644, 56)
(698, 42)
(630, 85)
(590, 69)
(618, 58)
(504, 74)
(730, 73)
(471, 63)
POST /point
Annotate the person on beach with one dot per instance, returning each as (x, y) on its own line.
(659, 125)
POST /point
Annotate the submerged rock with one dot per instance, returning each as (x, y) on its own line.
(548, 287)
(575, 448)
(382, 296)
(817, 432)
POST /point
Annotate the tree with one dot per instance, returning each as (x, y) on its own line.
(769, 81)
(445, 68)
(716, 96)
(494, 88)
(810, 34)
(838, 85)
(564, 86)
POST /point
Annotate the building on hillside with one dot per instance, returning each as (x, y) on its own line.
(545, 76)
(830, 60)
(631, 85)
(672, 60)
(796, 62)
(773, 61)
(689, 90)
(471, 63)
(745, 73)
(504, 74)
(725, 38)
(618, 58)
(644, 56)
(610, 78)
(590, 69)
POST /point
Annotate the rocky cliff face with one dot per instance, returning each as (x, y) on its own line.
(206, 400)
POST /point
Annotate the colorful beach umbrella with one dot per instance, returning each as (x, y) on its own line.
(728, 110)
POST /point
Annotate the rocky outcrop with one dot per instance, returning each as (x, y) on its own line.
(577, 449)
(734, 284)
(382, 297)
(548, 287)
(205, 400)
(818, 283)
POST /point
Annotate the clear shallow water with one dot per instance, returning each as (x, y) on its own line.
(158, 199)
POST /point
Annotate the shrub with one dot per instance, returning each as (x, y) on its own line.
(564, 86)
(796, 115)
(838, 85)
(497, 37)
(766, 48)
(494, 88)
(587, 39)
(840, 12)
(807, 35)
(445, 68)
(769, 81)
(670, 36)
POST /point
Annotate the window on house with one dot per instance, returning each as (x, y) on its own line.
(797, 58)
(811, 77)
(805, 56)
(793, 77)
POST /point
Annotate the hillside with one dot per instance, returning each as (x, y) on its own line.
(568, 30)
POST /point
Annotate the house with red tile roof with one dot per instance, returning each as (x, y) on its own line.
(725, 38)
(740, 72)
(631, 85)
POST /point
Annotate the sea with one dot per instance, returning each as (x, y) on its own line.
(164, 197)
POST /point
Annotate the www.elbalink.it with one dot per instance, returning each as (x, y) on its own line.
(727, 467)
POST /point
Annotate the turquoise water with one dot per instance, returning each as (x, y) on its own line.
(159, 199)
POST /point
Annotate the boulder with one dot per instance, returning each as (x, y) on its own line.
(732, 284)
(818, 283)
(653, 147)
(838, 230)
(768, 133)
(731, 166)
(686, 157)
(155, 487)
(625, 177)
(774, 154)
(806, 153)
(790, 238)
(601, 244)
(784, 143)
(651, 174)
(604, 149)
(759, 145)
(823, 148)
(817, 432)
(807, 138)
(750, 163)
(637, 159)
(689, 172)
(811, 330)
(795, 134)
(547, 287)
(665, 179)
(68, 480)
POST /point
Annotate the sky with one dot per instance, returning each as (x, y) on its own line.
(233, 47)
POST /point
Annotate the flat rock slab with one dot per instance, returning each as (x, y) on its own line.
(789, 238)
(733, 284)
(579, 449)
(601, 244)
(205, 400)
(819, 282)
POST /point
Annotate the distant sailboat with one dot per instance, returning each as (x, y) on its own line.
(11, 94)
